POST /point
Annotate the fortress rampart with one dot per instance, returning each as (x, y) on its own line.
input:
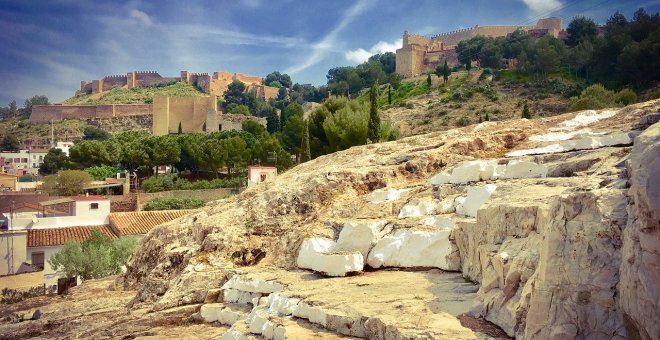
(421, 54)
(46, 113)
(214, 85)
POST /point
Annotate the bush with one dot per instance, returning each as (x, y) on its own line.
(173, 182)
(102, 172)
(597, 97)
(12, 295)
(173, 204)
(67, 182)
(463, 121)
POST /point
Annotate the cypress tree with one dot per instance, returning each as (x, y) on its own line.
(373, 134)
(389, 94)
(445, 72)
(305, 152)
(468, 65)
(526, 113)
(428, 80)
(180, 131)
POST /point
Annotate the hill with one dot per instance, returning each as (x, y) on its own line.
(540, 226)
(136, 95)
(469, 99)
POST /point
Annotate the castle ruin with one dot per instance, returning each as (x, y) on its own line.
(421, 54)
(214, 85)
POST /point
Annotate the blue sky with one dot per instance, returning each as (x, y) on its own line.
(49, 46)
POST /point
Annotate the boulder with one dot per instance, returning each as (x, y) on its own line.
(319, 254)
(476, 196)
(414, 248)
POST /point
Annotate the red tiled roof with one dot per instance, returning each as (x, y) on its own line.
(60, 236)
(89, 198)
(141, 222)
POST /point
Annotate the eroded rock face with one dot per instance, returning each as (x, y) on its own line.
(640, 266)
(555, 241)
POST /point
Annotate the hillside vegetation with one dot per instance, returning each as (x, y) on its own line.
(136, 95)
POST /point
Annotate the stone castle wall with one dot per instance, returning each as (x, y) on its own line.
(194, 114)
(46, 113)
(420, 54)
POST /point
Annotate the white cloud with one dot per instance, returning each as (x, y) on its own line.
(327, 44)
(141, 17)
(542, 6)
(361, 55)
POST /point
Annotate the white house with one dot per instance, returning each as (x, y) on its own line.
(16, 159)
(64, 146)
(82, 211)
(42, 244)
(258, 174)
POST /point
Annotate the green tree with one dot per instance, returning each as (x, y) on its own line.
(292, 128)
(213, 155)
(34, 100)
(92, 133)
(234, 93)
(305, 153)
(162, 150)
(272, 122)
(238, 153)
(374, 118)
(238, 109)
(96, 257)
(346, 128)
(54, 161)
(9, 143)
(445, 72)
(468, 65)
(491, 55)
(581, 29)
(90, 153)
(101, 172)
(13, 108)
(428, 80)
(269, 151)
(180, 129)
(283, 79)
(67, 182)
(254, 128)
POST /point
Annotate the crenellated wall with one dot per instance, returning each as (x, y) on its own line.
(420, 54)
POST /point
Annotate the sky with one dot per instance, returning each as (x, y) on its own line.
(48, 46)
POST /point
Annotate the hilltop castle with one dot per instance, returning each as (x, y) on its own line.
(214, 85)
(421, 54)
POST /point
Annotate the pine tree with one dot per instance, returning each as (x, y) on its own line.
(373, 133)
(305, 151)
(526, 113)
(180, 131)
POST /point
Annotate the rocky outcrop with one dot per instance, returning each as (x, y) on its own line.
(640, 266)
(555, 220)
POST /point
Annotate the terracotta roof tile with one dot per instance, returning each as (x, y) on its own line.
(141, 222)
(59, 236)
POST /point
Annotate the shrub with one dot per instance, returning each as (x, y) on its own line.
(173, 182)
(102, 172)
(173, 204)
(463, 121)
(12, 295)
(626, 97)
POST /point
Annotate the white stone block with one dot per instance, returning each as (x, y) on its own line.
(469, 171)
(238, 296)
(476, 196)
(312, 313)
(446, 206)
(441, 222)
(281, 304)
(245, 284)
(318, 254)
(359, 236)
(209, 312)
(412, 248)
(419, 208)
(229, 317)
(441, 178)
(233, 334)
(524, 169)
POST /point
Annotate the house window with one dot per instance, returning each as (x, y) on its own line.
(38, 259)
(94, 206)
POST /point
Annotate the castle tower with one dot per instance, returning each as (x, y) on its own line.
(130, 80)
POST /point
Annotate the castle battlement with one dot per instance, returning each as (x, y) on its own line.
(421, 54)
(114, 76)
(146, 72)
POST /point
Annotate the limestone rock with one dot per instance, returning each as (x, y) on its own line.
(476, 196)
(320, 255)
(413, 248)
